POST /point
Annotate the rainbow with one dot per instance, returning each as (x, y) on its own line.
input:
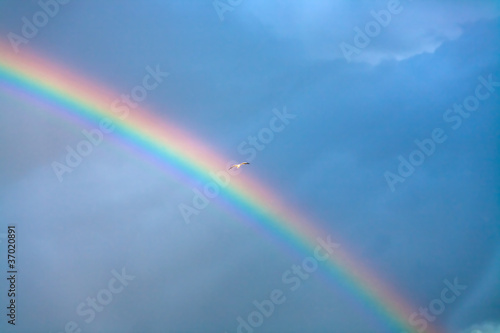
(180, 153)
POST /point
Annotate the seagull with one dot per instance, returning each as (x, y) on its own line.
(237, 166)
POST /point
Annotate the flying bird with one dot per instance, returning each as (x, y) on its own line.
(237, 166)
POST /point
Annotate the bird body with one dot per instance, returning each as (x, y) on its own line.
(237, 166)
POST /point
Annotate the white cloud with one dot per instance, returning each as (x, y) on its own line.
(321, 26)
(483, 328)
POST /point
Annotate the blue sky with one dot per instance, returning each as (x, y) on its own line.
(230, 66)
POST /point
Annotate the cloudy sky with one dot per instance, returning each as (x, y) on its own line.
(392, 146)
